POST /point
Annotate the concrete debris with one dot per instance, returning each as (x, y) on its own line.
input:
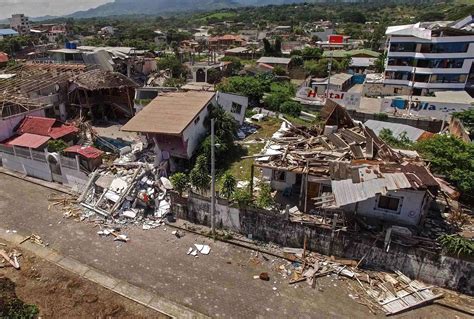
(133, 193)
(203, 249)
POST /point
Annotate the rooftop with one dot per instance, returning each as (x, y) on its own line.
(274, 60)
(169, 113)
(413, 133)
(29, 140)
(351, 53)
(99, 79)
(45, 127)
(8, 32)
(86, 151)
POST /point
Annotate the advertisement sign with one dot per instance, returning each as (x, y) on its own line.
(336, 39)
(347, 99)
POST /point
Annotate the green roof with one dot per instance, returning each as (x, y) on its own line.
(351, 53)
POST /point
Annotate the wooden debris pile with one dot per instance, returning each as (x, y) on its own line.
(9, 259)
(391, 293)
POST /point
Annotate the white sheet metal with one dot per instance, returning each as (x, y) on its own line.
(346, 192)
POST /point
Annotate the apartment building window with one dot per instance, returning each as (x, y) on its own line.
(398, 75)
(236, 108)
(403, 47)
(400, 61)
(457, 47)
(448, 78)
(440, 63)
(388, 203)
(425, 78)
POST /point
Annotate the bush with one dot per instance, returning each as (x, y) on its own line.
(199, 176)
(243, 197)
(180, 182)
(292, 108)
(229, 184)
(57, 146)
(265, 199)
(278, 70)
(456, 244)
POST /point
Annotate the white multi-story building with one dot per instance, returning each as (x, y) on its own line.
(20, 23)
(430, 56)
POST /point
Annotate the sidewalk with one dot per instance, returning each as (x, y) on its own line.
(118, 286)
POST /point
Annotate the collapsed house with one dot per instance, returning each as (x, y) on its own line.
(347, 168)
(36, 89)
(103, 94)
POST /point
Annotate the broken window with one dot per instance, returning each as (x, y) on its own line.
(388, 203)
(236, 108)
(279, 176)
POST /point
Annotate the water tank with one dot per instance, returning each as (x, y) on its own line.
(399, 103)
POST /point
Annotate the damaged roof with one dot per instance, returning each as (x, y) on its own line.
(29, 140)
(169, 113)
(46, 127)
(356, 161)
(99, 79)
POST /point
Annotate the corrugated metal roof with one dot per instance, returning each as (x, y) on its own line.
(29, 140)
(397, 129)
(86, 151)
(346, 192)
(8, 32)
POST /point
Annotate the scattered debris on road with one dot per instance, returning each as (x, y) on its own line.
(34, 239)
(11, 258)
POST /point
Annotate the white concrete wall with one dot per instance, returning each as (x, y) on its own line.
(27, 166)
(75, 179)
(195, 131)
(8, 125)
(413, 204)
(225, 100)
(437, 110)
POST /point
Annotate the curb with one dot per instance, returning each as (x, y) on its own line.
(57, 187)
(121, 287)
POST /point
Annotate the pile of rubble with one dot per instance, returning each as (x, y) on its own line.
(392, 293)
(122, 194)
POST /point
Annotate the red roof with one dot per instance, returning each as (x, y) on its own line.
(29, 140)
(86, 151)
(3, 57)
(45, 126)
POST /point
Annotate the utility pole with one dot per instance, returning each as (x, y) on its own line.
(213, 181)
(329, 71)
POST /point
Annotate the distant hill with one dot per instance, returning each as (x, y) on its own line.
(157, 7)
(128, 7)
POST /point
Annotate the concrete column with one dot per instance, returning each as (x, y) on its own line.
(62, 112)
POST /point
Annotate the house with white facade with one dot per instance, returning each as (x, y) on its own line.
(174, 122)
(429, 56)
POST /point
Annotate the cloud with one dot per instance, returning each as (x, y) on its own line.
(37, 8)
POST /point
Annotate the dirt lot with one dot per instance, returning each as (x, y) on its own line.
(61, 294)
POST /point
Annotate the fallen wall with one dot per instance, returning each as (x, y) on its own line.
(430, 267)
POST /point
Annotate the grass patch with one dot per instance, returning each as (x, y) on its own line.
(240, 168)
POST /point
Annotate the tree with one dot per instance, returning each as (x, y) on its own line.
(180, 182)
(467, 119)
(199, 175)
(380, 63)
(279, 70)
(279, 94)
(57, 146)
(214, 76)
(172, 63)
(317, 68)
(250, 86)
(229, 184)
(235, 66)
(310, 53)
(264, 199)
(272, 49)
(451, 157)
(292, 108)
(402, 141)
(353, 16)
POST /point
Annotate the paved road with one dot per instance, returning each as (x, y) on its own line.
(220, 284)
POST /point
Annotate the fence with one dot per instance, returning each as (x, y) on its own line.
(69, 162)
(6, 149)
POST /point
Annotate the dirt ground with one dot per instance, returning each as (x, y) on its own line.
(61, 294)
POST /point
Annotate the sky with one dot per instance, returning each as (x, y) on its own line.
(38, 8)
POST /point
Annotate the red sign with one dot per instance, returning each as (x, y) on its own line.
(336, 39)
